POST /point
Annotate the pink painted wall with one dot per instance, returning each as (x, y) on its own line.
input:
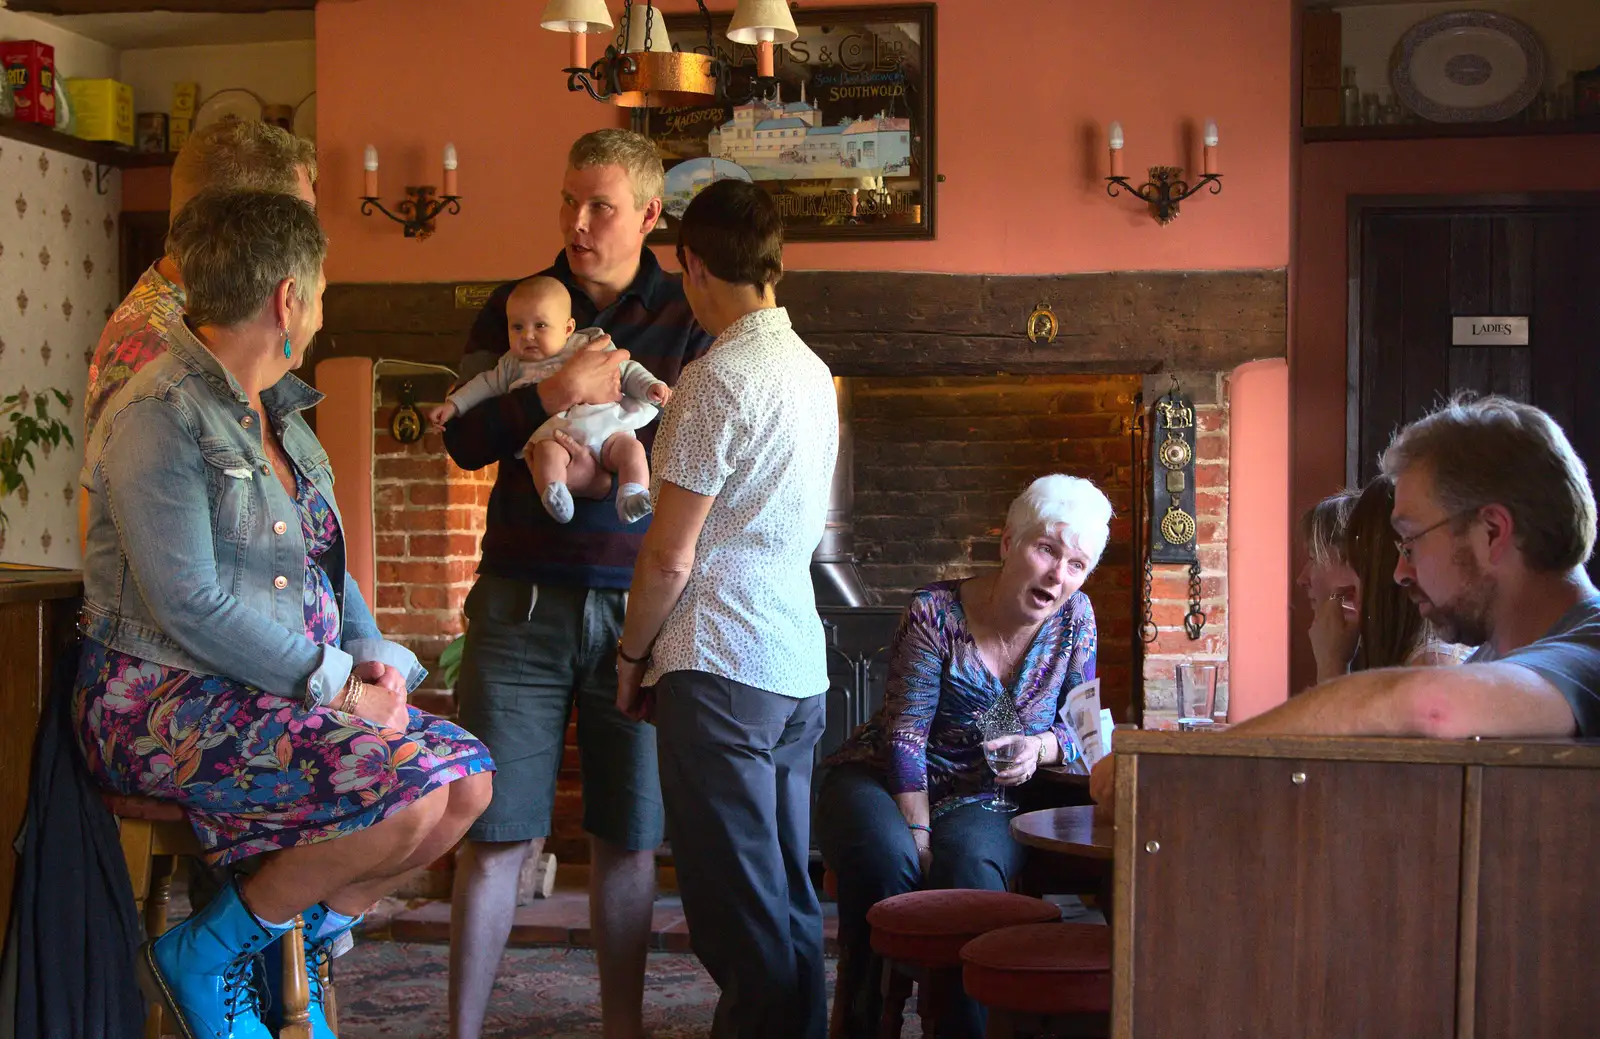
(1020, 136)
(1329, 175)
(1258, 551)
(344, 426)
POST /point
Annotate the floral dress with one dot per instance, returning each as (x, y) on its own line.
(928, 735)
(258, 772)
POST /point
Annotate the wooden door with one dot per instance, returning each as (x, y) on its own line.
(1417, 266)
(1538, 904)
(143, 242)
(1263, 906)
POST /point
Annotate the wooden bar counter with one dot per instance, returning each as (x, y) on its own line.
(38, 617)
(1317, 887)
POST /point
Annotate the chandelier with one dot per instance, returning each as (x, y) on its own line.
(641, 70)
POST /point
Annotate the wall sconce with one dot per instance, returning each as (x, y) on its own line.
(421, 206)
(641, 70)
(1166, 186)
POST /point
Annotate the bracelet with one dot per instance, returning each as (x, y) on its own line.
(352, 699)
(623, 655)
(919, 826)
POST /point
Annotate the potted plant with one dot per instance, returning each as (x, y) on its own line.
(26, 429)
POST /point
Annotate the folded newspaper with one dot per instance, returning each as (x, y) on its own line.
(1081, 713)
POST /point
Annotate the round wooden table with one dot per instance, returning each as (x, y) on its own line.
(1065, 831)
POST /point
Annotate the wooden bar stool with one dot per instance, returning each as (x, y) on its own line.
(920, 935)
(1041, 979)
(154, 833)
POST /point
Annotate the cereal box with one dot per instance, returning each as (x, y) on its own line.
(178, 132)
(103, 109)
(183, 99)
(31, 68)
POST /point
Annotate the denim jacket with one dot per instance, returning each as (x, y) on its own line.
(195, 556)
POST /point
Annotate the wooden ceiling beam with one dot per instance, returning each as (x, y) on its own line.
(69, 7)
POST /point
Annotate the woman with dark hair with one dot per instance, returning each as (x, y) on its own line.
(1382, 627)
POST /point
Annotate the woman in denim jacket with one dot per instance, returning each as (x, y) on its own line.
(231, 666)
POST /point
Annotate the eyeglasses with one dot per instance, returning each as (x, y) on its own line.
(1404, 545)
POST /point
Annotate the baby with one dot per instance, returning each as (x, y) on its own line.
(543, 340)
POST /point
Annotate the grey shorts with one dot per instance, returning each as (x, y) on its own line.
(533, 654)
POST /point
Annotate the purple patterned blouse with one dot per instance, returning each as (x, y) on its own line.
(927, 735)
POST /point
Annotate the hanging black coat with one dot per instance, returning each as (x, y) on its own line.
(74, 927)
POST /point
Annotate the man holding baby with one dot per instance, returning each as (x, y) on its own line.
(546, 611)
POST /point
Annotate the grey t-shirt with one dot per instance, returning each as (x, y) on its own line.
(1568, 657)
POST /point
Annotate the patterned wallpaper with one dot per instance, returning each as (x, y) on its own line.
(58, 284)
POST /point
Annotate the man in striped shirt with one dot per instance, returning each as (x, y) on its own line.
(546, 610)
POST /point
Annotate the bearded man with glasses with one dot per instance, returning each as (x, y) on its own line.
(1494, 521)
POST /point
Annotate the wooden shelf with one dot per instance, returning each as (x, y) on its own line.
(1425, 131)
(97, 152)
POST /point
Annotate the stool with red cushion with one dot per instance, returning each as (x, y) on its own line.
(1041, 979)
(154, 833)
(920, 936)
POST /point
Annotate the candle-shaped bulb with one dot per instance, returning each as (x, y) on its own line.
(369, 162)
(1114, 132)
(1208, 154)
(450, 170)
(1211, 133)
(1116, 136)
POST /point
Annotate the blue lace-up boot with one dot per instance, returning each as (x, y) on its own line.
(320, 940)
(203, 970)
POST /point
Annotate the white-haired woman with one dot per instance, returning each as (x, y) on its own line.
(902, 804)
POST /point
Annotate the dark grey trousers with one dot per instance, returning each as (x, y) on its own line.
(736, 783)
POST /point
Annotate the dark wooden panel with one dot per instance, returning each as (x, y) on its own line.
(1506, 370)
(1325, 908)
(142, 6)
(1512, 257)
(1471, 265)
(1554, 321)
(1426, 340)
(1539, 905)
(891, 323)
(1382, 290)
(22, 642)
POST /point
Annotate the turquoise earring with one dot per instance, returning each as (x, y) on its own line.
(287, 352)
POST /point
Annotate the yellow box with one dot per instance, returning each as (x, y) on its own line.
(177, 132)
(102, 110)
(183, 100)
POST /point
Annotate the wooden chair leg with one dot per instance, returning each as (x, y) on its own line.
(138, 846)
(296, 995)
(896, 990)
(934, 998)
(330, 998)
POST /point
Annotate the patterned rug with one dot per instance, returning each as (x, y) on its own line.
(392, 990)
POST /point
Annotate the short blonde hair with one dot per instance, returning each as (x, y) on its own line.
(1324, 525)
(241, 155)
(1068, 507)
(634, 152)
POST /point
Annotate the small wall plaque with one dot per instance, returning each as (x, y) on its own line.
(473, 297)
(1488, 331)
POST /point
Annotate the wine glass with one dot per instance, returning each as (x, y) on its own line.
(998, 725)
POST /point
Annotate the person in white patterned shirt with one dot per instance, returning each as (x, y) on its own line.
(722, 621)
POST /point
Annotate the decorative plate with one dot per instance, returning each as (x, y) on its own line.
(233, 103)
(1468, 67)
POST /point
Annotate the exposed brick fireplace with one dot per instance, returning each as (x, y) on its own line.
(942, 443)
